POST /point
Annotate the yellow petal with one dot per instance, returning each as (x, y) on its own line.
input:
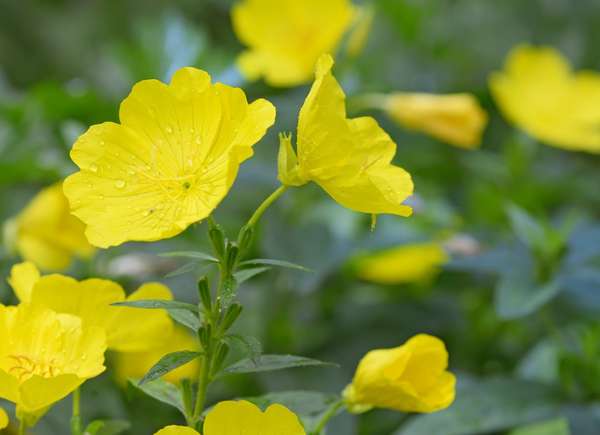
(455, 118)
(39, 392)
(137, 330)
(47, 234)
(349, 158)
(287, 163)
(245, 418)
(539, 93)
(402, 264)
(169, 163)
(22, 278)
(286, 37)
(177, 430)
(3, 419)
(360, 31)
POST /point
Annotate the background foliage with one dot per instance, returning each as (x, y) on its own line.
(519, 316)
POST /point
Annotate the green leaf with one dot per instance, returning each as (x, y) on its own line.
(107, 427)
(492, 405)
(559, 426)
(251, 344)
(309, 406)
(229, 291)
(266, 363)
(162, 391)
(188, 267)
(168, 363)
(245, 274)
(186, 318)
(159, 304)
(527, 229)
(195, 255)
(277, 263)
(517, 295)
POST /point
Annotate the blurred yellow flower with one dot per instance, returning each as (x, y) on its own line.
(402, 264)
(539, 92)
(3, 419)
(457, 119)
(177, 430)
(349, 158)
(127, 329)
(286, 37)
(134, 365)
(170, 161)
(44, 356)
(46, 233)
(409, 378)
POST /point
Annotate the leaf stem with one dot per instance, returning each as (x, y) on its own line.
(331, 412)
(22, 426)
(266, 204)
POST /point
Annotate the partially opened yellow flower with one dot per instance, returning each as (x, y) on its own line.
(3, 419)
(286, 37)
(457, 119)
(539, 92)
(127, 329)
(44, 356)
(170, 161)
(134, 365)
(177, 430)
(403, 264)
(349, 158)
(409, 378)
(46, 233)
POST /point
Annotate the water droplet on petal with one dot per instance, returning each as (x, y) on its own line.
(94, 167)
(198, 140)
(119, 184)
(131, 172)
(169, 130)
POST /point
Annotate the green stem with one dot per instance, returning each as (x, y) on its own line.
(265, 205)
(22, 426)
(76, 417)
(331, 412)
(203, 382)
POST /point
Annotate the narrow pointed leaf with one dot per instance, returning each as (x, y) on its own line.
(271, 262)
(196, 255)
(158, 304)
(162, 391)
(265, 363)
(168, 363)
(245, 274)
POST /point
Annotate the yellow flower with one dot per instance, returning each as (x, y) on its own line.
(402, 264)
(360, 32)
(44, 356)
(177, 430)
(46, 233)
(170, 161)
(409, 378)
(539, 92)
(3, 419)
(457, 119)
(134, 365)
(286, 37)
(244, 418)
(349, 158)
(127, 329)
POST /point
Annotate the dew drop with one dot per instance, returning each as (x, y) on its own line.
(198, 140)
(119, 184)
(94, 167)
(131, 172)
(169, 130)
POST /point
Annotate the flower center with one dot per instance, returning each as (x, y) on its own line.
(24, 367)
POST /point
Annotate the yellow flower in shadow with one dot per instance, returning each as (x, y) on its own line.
(134, 365)
(127, 329)
(244, 418)
(286, 37)
(408, 378)
(44, 356)
(46, 233)
(349, 158)
(169, 163)
(540, 93)
(402, 264)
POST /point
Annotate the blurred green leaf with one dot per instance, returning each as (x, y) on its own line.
(269, 262)
(266, 363)
(245, 274)
(558, 426)
(107, 427)
(161, 390)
